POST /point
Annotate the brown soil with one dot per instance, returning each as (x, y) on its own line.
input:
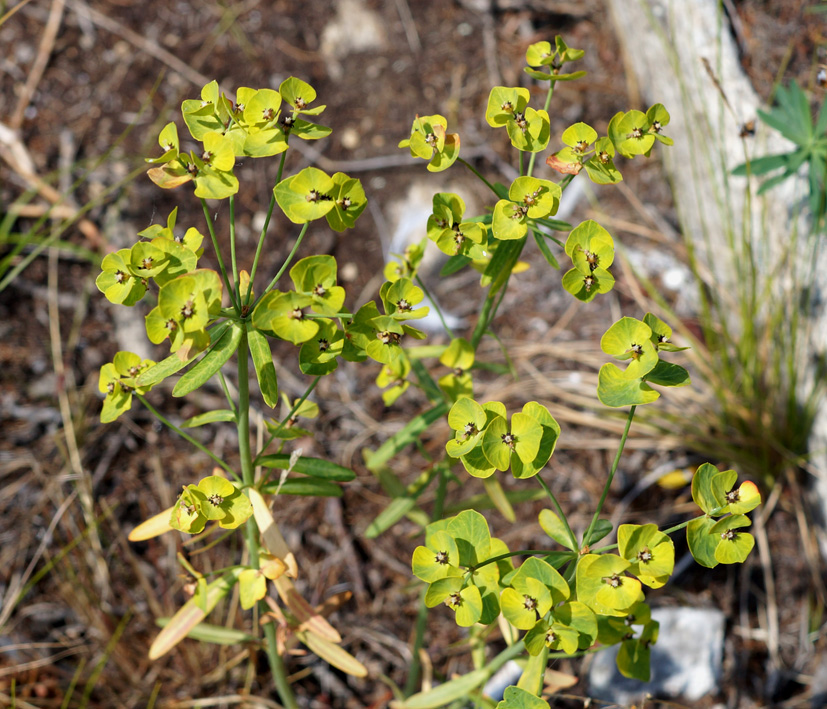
(78, 632)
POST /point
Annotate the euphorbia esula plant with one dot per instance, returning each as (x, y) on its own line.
(565, 599)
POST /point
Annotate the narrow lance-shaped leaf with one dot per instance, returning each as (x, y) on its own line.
(210, 363)
(190, 615)
(263, 363)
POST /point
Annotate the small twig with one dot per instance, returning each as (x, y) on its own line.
(145, 45)
(65, 382)
(44, 51)
(408, 23)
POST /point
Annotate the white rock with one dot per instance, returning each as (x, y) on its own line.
(354, 29)
(686, 660)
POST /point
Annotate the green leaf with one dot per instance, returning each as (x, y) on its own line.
(710, 487)
(701, 543)
(602, 528)
(552, 525)
(209, 417)
(263, 363)
(315, 467)
(615, 389)
(470, 530)
(454, 264)
(210, 363)
(215, 634)
(306, 487)
(733, 546)
(406, 436)
(173, 363)
(633, 659)
(540, 239)
(666, 374)
(447, 692)
(516, 698)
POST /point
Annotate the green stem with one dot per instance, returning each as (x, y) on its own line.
(286, 419)
(671, 530)
(157, 414)
(222, 268)
(560, 513)
(286, 262)
(277, 666)
(264, 230)
(510, 554)
(421, 284)
(587, 537)
(226, 389)
(545, 108)
(234, 263)
(422, 613)
(477, 173)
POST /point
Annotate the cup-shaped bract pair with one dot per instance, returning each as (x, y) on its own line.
(528, 198)
(533, 590)
(213, 499)
(603, 585)
(316, 277)
(585, 149)
(635, 340)
(591, 249)
(431, 141)
(181, 251)
(186, 305)
(385, 345)
(282, 315)
(211, 169)
(408, 262)
(650, 551)
(393, 379)
(117, 281)
(485, 441)
(320, 354)
(449, 232)
(528, 129)
(117, 380)
(452, 547)
(572, 626)
(542, 54)
(635, 633)
(634, 132)
(266, 128)
(712, 542)
(459, 356)
(400, 299)
(312, 194)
